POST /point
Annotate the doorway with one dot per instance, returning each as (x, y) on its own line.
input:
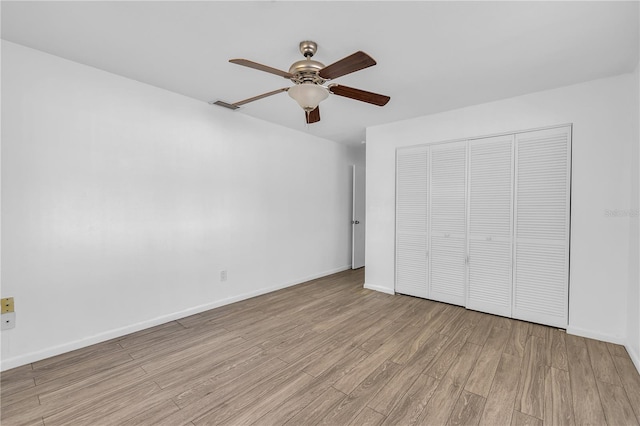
(358, 218)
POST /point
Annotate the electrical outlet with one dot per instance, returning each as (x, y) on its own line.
(223, 275)
(7, 305)
(8, 320)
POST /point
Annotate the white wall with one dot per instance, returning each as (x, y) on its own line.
(633, 325)
(122, 202)
(603, 116)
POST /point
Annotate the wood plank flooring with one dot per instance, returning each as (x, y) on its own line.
(330, 352)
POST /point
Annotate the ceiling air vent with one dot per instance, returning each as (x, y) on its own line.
(224, 104)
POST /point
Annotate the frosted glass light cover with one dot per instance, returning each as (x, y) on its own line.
(308, 95)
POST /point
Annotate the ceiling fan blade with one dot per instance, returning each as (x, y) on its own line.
(359, 95)
(257, 66)
(313, 116)
(351, 63)
(264, 95)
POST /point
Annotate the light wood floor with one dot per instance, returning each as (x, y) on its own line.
(330, 352)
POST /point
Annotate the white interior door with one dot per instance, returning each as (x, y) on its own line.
(358, 219)
(490, 225)
(541, 252)
(412, 198)
(448, 219)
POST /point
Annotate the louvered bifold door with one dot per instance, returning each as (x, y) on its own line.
(412, 198)
(448, 222)
(490, 225)
(541, 253)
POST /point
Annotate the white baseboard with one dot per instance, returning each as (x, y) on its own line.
(9, 363)
(379, 288)
(582, 332)
(635, 357)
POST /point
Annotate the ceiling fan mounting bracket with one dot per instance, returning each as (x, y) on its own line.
(308, 48)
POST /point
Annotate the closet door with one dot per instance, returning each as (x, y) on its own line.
(490, 225)
(541, 254)
(412, 196)
(448, 222)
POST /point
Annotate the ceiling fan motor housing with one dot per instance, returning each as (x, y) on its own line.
(306, 71)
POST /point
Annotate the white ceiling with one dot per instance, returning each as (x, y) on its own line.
(432, 56)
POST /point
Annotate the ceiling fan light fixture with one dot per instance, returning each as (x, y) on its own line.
(308, 95)
(309, 77)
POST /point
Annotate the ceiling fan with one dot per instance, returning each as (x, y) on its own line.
(309, 77)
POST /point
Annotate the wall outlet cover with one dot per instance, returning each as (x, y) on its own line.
(7, 305)
(8, 320)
